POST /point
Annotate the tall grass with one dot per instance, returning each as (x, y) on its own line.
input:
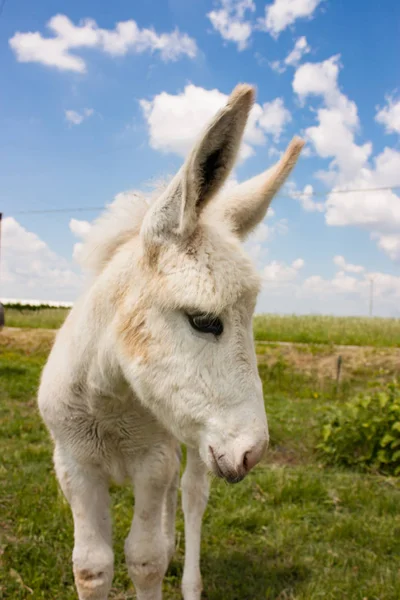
(27, 317)
(357, 331)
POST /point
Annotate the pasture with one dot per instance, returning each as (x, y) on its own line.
(295, 529)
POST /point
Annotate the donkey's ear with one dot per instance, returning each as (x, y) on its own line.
(245, 206)
(176, 212)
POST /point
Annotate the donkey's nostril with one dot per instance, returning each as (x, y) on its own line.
(252, 457)
(245, 462)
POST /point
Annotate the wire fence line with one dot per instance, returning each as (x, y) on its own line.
(295, 195)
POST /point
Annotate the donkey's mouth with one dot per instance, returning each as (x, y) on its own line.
(224, 473)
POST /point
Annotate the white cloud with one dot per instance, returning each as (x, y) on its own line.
(127, 36)
(30, 268)
(318, 79)
(376, 211)
(76, 118)
(351, 171)
(230, 21)
(278, 66)
(282, 13)
(386, 286)
(334, 135)
(340, 284)
(340, 262)
(305, 197)
(274, 117)
(175, 121)
(390, 244)
(347, 292)
(301, 48)
(280, 273)
(80, 229)
(389, 115)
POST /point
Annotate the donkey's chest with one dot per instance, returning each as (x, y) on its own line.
(114, 433)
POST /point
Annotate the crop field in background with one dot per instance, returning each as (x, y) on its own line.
(295, 529)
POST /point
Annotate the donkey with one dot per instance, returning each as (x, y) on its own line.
(159, 352)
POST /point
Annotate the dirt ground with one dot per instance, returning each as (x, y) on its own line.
(318, 360)
(322, 361)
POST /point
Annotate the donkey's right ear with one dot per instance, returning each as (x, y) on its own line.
(175, 214)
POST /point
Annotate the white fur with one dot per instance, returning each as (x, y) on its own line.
(128, 379)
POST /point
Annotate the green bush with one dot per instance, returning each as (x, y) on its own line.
(365, 432)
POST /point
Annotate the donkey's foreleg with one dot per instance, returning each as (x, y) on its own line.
(195, 492)
(170, 505)
(86, 490)
(146, 547)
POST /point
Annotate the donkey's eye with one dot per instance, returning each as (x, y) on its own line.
(206, 324)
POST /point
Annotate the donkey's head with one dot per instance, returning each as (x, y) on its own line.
(185, 329)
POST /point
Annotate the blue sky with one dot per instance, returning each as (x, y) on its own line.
(90, 109)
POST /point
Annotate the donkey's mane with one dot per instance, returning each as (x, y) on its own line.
(119, 222)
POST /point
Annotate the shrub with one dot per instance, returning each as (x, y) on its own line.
(365, 431)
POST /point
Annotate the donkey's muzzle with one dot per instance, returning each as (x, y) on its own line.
(234, 470)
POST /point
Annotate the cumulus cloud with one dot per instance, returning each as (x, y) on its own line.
(340, 284)
(351, 170)
(347, 292)
(340, 262)
(386, 287)
(280, 273)
(390, 244)
(305, 197)
(274, 117)
(31, 269)
(301, 48)
(377, 211)
(56, 51)
(80, 229)
(389, 115)
(282, 13)
(75, 118)
(230, 21)
(176, 120)
(334, 135)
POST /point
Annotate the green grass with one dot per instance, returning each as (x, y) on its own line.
(312, 329)
(293, 530)
(358, 331)
(46, 318)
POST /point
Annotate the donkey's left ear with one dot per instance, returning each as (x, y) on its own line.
(175, 214)
(244, 207)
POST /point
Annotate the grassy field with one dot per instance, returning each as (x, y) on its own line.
(315, 329)
(293, 530)
(46, 318)
(358, 331)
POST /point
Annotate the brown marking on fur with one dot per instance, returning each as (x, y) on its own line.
(134, 333)
(153, 252)
(119, 294)
(87, 575)
(89, 581)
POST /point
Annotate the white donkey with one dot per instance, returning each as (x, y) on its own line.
(159, 351)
